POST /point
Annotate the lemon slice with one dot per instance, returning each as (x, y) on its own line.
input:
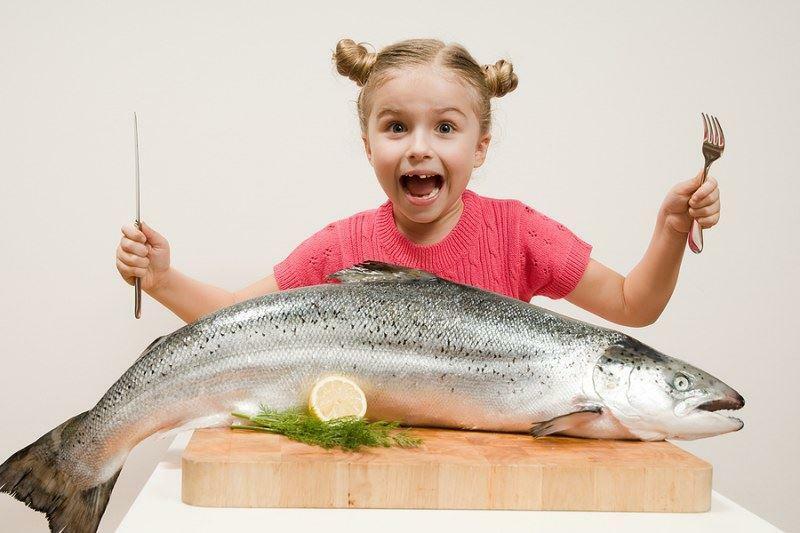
(335, 397)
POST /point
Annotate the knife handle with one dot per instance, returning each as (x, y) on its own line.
(137, 290)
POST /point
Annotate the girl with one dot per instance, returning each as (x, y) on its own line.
(425, 119)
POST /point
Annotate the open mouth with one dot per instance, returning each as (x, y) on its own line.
(421, 187)
(723, 406)
(726, 403)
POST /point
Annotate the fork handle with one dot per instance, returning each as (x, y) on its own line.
(695, 239)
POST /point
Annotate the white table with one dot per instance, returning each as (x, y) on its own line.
(158, 508)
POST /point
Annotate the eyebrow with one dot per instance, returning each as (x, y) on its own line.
(440, 110)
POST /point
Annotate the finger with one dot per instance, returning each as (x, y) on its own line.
(711, 198)
(134, 247)
(134, 260)
(129, 271)
(704, 211)
(150, 232)
(707, 222)
(131, 232)
(703, 190)
(686, 188)
(123, 269)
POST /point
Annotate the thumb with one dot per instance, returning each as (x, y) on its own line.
(153, 237)
(686, 188)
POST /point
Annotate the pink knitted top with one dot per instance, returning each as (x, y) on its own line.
(502, 246)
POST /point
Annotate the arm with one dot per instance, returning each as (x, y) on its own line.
(639, 298)
(259, 288)
(306, 265)
(191, 299)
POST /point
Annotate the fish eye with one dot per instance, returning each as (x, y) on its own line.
(681, 382)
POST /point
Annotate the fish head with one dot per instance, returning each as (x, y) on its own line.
(658, 397)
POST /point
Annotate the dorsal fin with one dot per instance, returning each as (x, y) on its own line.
(379, 271)
(150, 346)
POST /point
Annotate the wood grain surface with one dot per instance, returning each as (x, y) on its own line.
(452, 469)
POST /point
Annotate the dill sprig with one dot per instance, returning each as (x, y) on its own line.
(349, 432)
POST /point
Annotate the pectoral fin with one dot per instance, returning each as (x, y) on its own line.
(563, 422)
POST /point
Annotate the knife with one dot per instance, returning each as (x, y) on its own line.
(137, 287)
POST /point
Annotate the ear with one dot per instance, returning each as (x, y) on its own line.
(366, 148)
(481, 149)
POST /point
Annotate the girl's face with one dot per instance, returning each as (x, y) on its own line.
(421, 121)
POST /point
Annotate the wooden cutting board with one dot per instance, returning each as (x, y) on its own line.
(452, 469)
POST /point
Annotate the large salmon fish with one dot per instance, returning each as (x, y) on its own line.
(425, 351)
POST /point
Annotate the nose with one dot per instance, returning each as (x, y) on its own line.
(419, 147)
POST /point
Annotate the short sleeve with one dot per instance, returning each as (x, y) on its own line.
(309, 263)
(553, 258)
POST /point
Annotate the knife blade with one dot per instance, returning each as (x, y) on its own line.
(137, 287)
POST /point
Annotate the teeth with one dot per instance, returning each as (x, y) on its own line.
(428, 196)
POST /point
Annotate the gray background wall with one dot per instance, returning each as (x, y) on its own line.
(249, 143)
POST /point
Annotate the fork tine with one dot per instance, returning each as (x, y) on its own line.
(714, 130)
(705, 127)
(713, 137)
(711, 133)
(721, 139)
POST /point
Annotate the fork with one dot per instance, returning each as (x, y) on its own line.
(713, 145)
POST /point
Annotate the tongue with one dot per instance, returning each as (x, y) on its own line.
(419, 186)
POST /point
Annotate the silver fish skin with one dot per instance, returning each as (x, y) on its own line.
(425, 351)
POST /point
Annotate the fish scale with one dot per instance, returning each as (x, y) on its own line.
(425, 351)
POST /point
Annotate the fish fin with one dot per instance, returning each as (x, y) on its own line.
(33, 477)
(150, 346)
(215, 420)
(379, 271)
(568, 421)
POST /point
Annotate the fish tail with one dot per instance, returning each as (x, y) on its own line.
(33, 477)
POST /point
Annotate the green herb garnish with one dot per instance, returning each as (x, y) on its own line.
(349, 433)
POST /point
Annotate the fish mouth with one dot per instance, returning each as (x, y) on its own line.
(721, 407)
(732, 403)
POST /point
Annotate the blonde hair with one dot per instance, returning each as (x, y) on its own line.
(371, 70)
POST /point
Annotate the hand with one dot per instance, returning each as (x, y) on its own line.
(689, 200)
(143, 254)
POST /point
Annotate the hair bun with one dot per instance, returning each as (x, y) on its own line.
(500, 77)
(353, 60)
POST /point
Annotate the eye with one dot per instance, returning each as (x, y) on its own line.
(450, 127)
(681, 382)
